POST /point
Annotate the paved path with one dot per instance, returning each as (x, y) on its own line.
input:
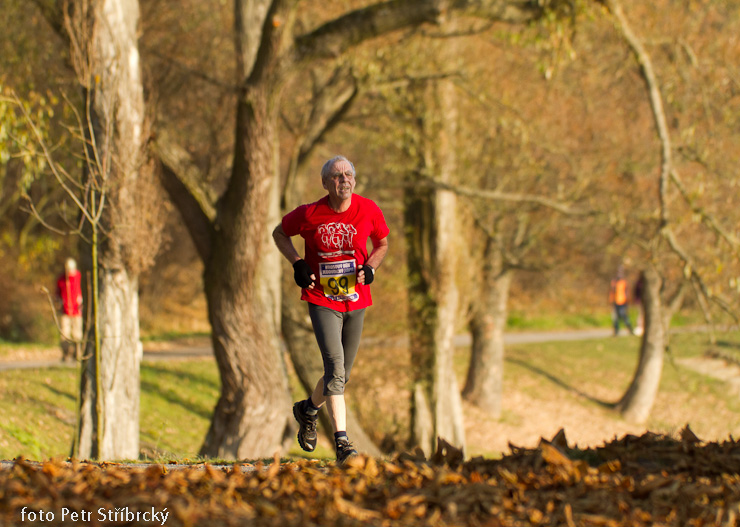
(202, 351)
(547, 336)
(178, 354)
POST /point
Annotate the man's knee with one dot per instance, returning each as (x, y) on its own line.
(334, 385)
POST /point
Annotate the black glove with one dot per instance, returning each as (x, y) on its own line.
(302, 273)
(369, 274)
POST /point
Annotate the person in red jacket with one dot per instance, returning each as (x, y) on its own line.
(335, 279)
(619, 298)
(69, 292)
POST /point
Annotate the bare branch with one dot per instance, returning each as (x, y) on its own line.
(512, 255)
(690, 271)
(195, 201)
(656, 101)
(53, 13)
(708, 220)
(178, 159)
(40, 218)
(192, 72)
(338, 35)
(408, 80)
(331, 101)
(58, 173)
(496, 195)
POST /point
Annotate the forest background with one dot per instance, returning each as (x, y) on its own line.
(558, 172)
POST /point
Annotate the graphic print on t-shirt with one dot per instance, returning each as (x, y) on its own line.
(338, 278)
(338, 236)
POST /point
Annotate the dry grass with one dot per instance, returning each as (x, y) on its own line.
(568, 385)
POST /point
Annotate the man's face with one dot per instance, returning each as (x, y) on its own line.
(340, 182)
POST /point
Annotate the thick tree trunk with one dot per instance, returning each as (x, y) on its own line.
(243, 291)
(432, 318)
(117, 126)
(120, 358)
(432, 233)
(447, 401)
(419, 228)
(639, 398)
(484, 384)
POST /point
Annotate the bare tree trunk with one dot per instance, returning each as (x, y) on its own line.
(117, 129)
(484, 384)
(447, 401)
(419, 228)
(251, 417)
(432, 237)
(639, 398)
(120, 360)
(432, 318)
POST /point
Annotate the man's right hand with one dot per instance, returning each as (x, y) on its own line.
(303, 275)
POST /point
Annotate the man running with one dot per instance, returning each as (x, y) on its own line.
(334, 279)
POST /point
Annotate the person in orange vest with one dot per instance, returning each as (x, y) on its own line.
(69, 293)
(619, 298)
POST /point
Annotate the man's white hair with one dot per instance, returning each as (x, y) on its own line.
(326, 169)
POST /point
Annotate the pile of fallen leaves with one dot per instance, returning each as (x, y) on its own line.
(632, 481)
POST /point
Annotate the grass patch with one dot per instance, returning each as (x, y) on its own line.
(553, 320)
(177, 397)
(599, 372)
(8, 348)
(39, 409)
(176, 403)
(169, 336)
(526, 321)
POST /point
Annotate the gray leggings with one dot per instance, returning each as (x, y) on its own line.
(338, 336)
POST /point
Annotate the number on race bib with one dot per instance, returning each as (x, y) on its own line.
(339, 286)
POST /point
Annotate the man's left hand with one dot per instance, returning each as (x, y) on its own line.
(366, 274)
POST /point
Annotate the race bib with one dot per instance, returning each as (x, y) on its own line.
(338, 280)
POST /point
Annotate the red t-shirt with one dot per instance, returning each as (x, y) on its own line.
(69, 289)
(336, 243)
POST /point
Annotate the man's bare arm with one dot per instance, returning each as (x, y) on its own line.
(287, 249)
(380, 249)
(285, 244)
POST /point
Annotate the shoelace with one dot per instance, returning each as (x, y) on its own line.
(344, 445)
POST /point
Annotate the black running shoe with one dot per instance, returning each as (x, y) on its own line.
(345, 450)
(307, 435)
